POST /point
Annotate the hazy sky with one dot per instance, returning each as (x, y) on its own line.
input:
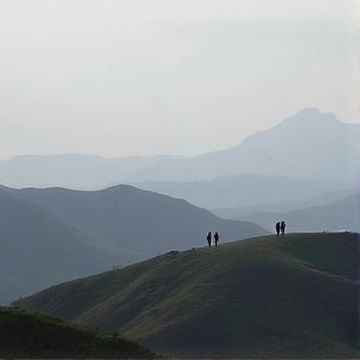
(145, 77)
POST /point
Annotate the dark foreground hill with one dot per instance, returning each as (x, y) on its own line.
(267, 297)
(139, 220)
(29, 335)
(38, 250)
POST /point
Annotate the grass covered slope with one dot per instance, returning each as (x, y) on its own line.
(291, 297)
(28, 335)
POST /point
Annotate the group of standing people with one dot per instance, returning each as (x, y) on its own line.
(280, 227)
(216, 238)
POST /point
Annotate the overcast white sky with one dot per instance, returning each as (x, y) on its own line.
(185, 77)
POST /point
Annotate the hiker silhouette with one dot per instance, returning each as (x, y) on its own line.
(208, 238)
(277, 227)
(282, 227)
(216, 238)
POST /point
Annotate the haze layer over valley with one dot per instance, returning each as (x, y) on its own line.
(308, 145)
(309, 159)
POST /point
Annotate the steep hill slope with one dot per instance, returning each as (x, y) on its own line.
(136, 219)
(289, 297)
(29, 335)
(38, 250)
(343, 214)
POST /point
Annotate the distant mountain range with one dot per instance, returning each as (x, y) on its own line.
(51, 235)
(240, 191)
(308, 145)
(325, 198)
(280, 298)
(343, 214)
(139, 220)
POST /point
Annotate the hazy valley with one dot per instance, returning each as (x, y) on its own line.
(310, 145)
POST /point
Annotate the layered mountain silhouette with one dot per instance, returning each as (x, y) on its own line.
(39, 250)
(241, 191)
(343, 214)
(310, 144)
(269, 297)
(53, 235)
(139, 220)
(325, 198)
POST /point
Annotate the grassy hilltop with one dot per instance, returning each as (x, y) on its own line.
(266, 297)
(29, 335)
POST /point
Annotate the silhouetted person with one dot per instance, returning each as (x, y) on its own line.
(282, 227)
(216, 238)
(277, 227)
(208, 238)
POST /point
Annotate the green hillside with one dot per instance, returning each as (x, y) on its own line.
(30, 335)
(269, 297)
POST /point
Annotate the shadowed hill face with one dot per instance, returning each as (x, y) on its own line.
(136, 219)
(38, 250)
(27, 335)
(290, 297)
